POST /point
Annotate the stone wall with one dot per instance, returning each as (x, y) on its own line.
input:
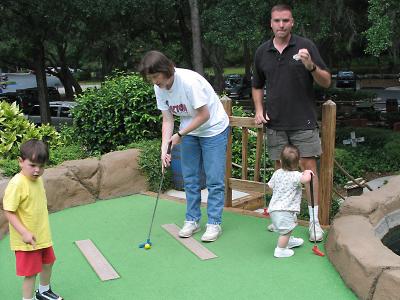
(354, 244)
(80, 182)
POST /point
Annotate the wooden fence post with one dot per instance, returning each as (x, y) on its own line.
(328, 134)
(227, 103)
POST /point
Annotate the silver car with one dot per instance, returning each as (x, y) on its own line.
(60, 112)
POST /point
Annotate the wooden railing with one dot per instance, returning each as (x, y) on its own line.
(244, 184)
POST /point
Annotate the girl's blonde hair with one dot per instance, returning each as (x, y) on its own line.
(290, 157)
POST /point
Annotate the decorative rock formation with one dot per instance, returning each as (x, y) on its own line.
(80, 182)
(354, 243)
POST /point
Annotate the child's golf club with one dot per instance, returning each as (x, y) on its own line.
(315, 248)
(265, 213)
(147, 244)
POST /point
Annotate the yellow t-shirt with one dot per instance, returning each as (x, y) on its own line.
(27, 199)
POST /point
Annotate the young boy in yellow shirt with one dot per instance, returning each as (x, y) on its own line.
(25, 206)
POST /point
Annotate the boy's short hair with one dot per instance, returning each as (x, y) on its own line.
(156, 62)
(35, 150)
(290, 157)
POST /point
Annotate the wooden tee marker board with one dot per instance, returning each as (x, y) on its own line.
(96, 260)
(193, 245)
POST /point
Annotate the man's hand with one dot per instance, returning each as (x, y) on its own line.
(261, 118)
(305, 58)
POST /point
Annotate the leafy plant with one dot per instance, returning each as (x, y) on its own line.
(150, 164)
(15, 129)
(367, 156)
(122, 111)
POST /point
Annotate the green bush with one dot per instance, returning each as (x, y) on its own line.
(150, 164)
(122, 111)
(15, 129)
(380, 152)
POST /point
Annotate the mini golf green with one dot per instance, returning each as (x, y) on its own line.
(244, 269)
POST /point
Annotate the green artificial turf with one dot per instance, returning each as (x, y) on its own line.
(245, 267)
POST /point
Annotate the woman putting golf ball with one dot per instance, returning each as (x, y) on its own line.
(203, 135)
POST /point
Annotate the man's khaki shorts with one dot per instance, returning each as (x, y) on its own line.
(307, 141)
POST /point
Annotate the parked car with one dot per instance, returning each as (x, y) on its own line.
(346, 79)
(60, 112)
(237, 86)
(27, 98)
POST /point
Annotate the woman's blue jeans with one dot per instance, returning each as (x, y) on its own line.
(211, 152)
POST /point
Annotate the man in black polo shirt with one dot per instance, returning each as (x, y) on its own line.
(287, 65)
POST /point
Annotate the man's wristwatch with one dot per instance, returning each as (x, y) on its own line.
(180, 135)
(313, 68)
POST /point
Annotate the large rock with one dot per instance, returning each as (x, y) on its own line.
(120, 174)
(79, 182)
(388, 286)
(354, 243)
(64, 190)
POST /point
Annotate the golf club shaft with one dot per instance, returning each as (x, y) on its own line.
(264, 163)
(158, 194)
(312, 206)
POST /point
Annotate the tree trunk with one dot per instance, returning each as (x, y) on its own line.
(215, 56)
(66, 81)
(184, 35)
(196, 37)
(247, 60)
(39, 65)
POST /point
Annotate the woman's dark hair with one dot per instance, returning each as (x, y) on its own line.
(35, 150)
(156, 62)
(290, 156)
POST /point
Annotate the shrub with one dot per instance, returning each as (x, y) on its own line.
(15, 130)
(150, 164)
(122, 111)
(380, 152)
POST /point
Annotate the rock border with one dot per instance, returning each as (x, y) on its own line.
(354, 244)
(80, 182)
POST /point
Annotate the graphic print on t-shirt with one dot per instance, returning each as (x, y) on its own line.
(178, 109)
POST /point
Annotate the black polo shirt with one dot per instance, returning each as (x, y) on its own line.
(290, 101)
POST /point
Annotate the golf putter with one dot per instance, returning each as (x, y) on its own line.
(315, 248)
(147, 244)
(265, 212)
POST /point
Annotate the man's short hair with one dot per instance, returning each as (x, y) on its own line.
(156, 62)
(35, 150)
(281, 7)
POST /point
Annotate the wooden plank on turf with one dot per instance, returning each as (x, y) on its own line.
(97, 261)
(198, 249)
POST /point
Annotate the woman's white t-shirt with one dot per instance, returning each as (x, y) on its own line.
(189, 92)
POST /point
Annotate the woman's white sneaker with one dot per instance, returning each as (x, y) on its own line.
(189, 228)
(213, 231)
(283, 252)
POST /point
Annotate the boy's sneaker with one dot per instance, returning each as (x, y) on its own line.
(294, 242)
(283, 252)
(319, 233)
(189, 228)
(271, 227)
(213, 231)
(48, 295)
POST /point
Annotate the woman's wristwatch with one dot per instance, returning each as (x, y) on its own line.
(180, 135)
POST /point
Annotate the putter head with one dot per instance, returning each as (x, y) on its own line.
(146, 242)
(317, 251)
